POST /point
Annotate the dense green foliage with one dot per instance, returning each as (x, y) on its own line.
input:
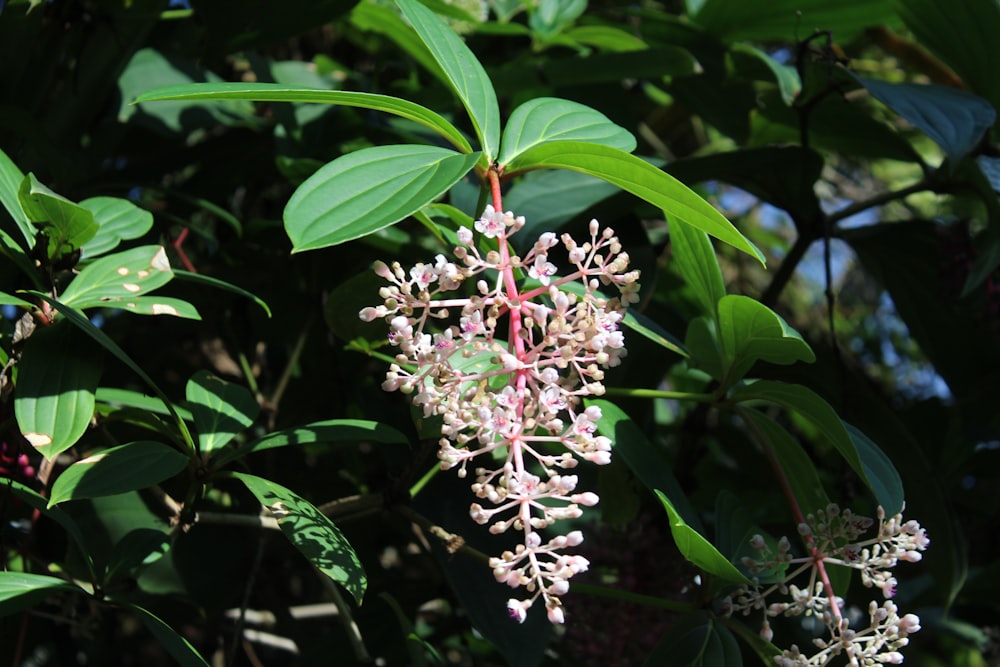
(193, 201)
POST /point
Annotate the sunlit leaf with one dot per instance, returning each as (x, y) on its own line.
(128, 467)
(464, 72)
(362, 192)
(752, 332)
(697, 549)
(20, 590)
(177, 646)
(114, 279)
(66, 225)
(54, 397)
(545, 119)
(641, 179)
(221, 410)
(696, 261)
(10, 183)
(202, 279)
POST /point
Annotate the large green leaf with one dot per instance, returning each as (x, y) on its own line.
(798, 468)
(962, 35)
(66, 225)
(80, 321)
(642, 457)
(10, 183)
(641, 179)
(20, 590)
(273, 92)
(697, 263)
(955, 119)
(874, 469)
(311, 532)
(696, 549)
(128, 467)
(115, 280)
(54, 397)
(752, 332)
(365, 191)
(790, 20)
(220, 409)
(545, 119)
(464, 72)
(118, 219)
(177, 646)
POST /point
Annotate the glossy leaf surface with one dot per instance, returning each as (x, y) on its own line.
(128, 467)
(365, 191)
(220, 409)
(118, 220)
(115, 280)
(696, 549)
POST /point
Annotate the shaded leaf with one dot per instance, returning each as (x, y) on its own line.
(202, 279)
(641, 179)
(879, 471)
(876, 471)
(177, 646)
(786, 76)
(54, 397)
(545, 119)
(647, 327)
(702, 343)
(641, 456)
(790, 20)
(41, 503)
(463, 71)
(128, 467)
(220, 409)
(362, 192)
(118, 219)
(311, 532)
(955, 119)
(697, 550)
(962, 35)
(20, 590)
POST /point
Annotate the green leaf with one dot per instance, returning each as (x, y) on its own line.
(10, 184)
(551, 16)
(786, 76)
(702, 343)
(962, 35)
(875, 471)
(332, 431)
(41, 503)
(273, 92)
(137, 548)
(606, 38)
(799, 469)
(11, 300)
(67, 226)
(138, 400)
(128, 467)
(641, 179)
(202, 279)
(220, 409)
(368, 190)
(21, 590)
(464, 73)
(880, 472)
(645, 461)
(178, 647)
(54, 397)
(695, 258)
(734, 530)
(751, 332)
(312, 533)
(118, 219)
(157, 305)
(955, 119)
(647, 327)
(791, 20)
(545, 119)
(80, 321)
(697, 549)
(113, 280)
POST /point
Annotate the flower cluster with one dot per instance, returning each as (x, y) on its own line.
(834, 537)
(507, 368)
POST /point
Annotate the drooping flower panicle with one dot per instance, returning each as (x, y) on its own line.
(507, 369)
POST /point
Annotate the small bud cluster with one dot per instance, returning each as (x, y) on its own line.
(507, 368)
(834, 538)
